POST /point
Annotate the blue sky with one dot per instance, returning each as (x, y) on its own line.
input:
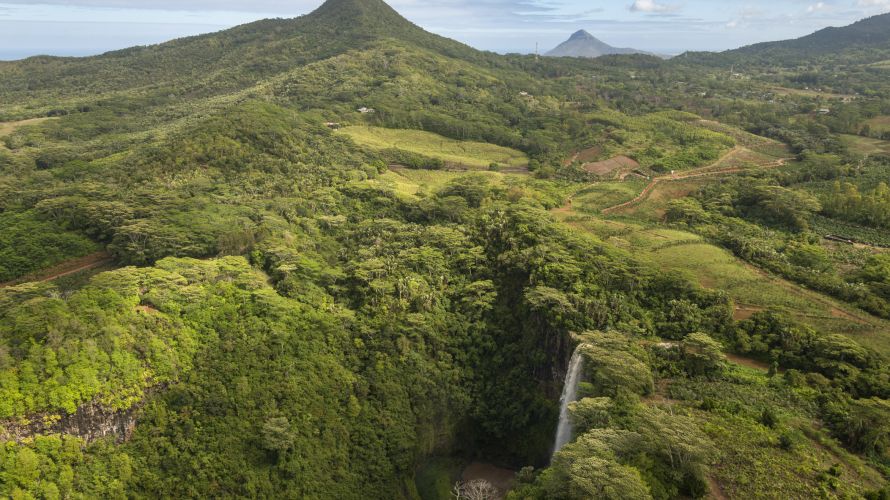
(83, 27)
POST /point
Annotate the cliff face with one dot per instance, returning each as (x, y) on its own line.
(90, 423)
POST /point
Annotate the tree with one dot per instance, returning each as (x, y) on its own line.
(702, 355)
(277, 435)
(780, 206)
(594, 477)
(589, 413)
(614, 365)
(475, 489)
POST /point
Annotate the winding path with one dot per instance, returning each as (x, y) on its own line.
(63, 269)
(707, 171)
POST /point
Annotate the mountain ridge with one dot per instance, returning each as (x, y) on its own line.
(234, 58)
(866, 40)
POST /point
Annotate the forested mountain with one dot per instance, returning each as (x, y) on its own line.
(228, 60)
(341, 257)
(583, 44)
(865, 41)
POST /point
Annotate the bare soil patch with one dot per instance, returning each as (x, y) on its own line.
(499, 477)
(745, 311)
(590, 154)
(606, 167)
(750, 363)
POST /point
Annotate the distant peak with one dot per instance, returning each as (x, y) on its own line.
(581, 35)
(351, 10)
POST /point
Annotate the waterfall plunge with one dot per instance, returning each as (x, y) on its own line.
(569, 394)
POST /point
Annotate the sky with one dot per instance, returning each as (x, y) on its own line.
(86, 27)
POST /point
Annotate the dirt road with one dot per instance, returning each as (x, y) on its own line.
(63, 269)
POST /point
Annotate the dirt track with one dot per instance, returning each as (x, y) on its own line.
(63, 269)
(693, 174)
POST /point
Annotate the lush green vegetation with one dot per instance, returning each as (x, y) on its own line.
(299, 319)
(29, 244)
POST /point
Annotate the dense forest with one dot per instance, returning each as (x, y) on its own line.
(340, 257)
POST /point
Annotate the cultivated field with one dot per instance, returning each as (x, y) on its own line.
(865, 145)
(412, 182)
(466, 154)
(713, 267)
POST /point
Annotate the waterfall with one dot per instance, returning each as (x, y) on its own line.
(569, 394)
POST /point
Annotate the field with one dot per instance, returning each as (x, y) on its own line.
(752, 464)
(753, 142)
(7, 128)
(461, 154)
(879, 124)
(865, 145)
(411, 182)
(620, 165)
(596, 197)
(716, 268)
(654, 206)
(810, 93)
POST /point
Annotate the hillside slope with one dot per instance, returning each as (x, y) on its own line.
(865, 41)
(217, 63)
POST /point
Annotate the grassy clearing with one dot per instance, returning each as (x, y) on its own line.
(655, 205)
(7, 128)
(783, 91)
(754, 143)
(866, 145)
(602, 195)
(412, 183)
(458, 153)
(879, 124)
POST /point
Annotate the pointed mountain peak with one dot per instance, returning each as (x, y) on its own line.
(353, 23)
(583, 44)
(582, 35)
(359, 11)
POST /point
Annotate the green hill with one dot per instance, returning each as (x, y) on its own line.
(863, 42)
(221, 62)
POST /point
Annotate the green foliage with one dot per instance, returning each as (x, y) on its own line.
(845, 362)
(768, 224)
(847, 203)
(28, 244)
(614, 365)
(702, 355)
(381, 318)
(647, 452)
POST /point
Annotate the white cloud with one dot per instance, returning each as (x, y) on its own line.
(820, 7)
(651, 6)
